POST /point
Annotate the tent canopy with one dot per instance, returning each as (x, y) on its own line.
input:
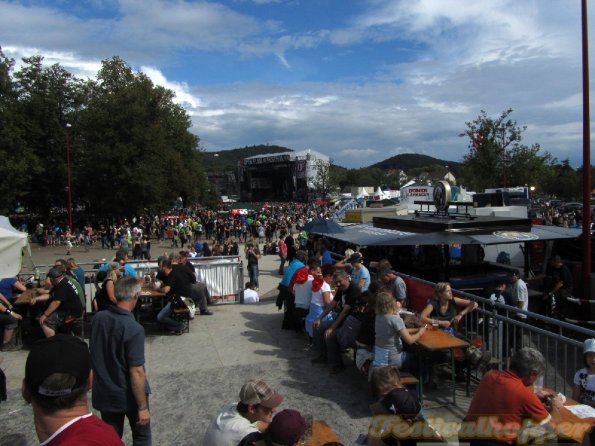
(368, 235)
(12, 243)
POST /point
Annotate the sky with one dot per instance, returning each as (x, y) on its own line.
(358, 80)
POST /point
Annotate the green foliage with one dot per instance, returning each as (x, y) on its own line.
(130, 145)
(497, 158)
(409, 161)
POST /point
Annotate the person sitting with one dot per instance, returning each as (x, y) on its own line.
(396, 284)
(390, 333)
(105, 296)
(301, 287)
(8, 322)
(62, 302)
(250, 294)
(253, 413)
(325, 335)
(364, 342)
(8, 286)
(321, 297)
(176, 284)
(441, 310)
(396, 400)
(505, 398)
(286, 429)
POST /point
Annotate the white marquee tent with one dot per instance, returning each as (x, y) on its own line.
(12, 243)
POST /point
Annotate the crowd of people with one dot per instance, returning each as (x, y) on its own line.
(337, 304)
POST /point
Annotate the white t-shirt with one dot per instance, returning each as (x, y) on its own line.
(250, 296)
(586, 381)
(303, 293)
(317, 295)
(520, 293)
(228, 427)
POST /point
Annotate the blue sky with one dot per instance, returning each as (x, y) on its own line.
(360, 81)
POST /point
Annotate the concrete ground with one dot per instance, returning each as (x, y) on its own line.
(194, 375)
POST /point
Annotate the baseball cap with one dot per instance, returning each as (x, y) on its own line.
(589, 346)
(355, 257)
(55, 272)
(398, 401)
(287, 427)
(61, 353)
(259, 392)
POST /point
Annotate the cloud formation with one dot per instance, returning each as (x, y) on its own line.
(357, 80)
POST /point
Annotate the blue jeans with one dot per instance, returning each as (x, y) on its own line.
(327, 346)
(141, 435)
(165, 319)
(253, 273)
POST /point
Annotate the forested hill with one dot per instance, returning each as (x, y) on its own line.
(408, 161)
(228, 159)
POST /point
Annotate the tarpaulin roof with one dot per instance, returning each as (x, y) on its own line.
(368, 235)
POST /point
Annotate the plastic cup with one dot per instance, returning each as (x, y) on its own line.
(538, 384)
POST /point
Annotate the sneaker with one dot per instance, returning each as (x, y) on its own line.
(206, 313)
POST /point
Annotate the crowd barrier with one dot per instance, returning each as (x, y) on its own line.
(223, 276)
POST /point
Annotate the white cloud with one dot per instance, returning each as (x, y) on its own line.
(183, 96)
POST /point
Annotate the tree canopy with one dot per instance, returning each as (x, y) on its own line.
(498, 158)
(130, 146)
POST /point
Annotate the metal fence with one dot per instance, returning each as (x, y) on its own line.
(503, 329)
(223, 276)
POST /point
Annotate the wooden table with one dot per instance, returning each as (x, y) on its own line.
(25, 297)
(435, 339)
(568, 425)
(321, 433)
(149, 293)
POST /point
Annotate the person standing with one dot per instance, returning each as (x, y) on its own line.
(117, 344)
(253, 255)
(57, 379)
(519, 293)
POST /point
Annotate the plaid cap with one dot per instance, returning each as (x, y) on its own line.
(259, 392)
(59, 354)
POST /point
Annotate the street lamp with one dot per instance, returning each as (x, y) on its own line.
(68, 126)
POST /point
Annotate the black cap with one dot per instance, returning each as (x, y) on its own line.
(58, 354)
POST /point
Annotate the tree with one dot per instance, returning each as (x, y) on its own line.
(496, 156)
(322, 177)
(135, 142)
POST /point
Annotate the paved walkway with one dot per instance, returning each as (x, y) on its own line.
(193, 375)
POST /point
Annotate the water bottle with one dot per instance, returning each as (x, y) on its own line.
(37, 277)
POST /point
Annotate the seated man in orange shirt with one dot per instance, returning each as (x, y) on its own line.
(506, 402)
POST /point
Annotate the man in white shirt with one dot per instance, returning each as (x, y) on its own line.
(253, 413)
(519, 293)
(250, 295)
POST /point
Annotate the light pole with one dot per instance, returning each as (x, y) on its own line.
(68, 126)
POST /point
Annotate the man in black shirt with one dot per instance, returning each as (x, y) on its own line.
(62, 302)
(176, 283)
(198, 290)
(325, 332)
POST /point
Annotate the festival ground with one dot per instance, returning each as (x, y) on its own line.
(193, 375)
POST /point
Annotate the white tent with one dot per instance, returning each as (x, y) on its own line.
(12, 243)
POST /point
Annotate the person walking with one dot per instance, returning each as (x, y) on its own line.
(117, 344)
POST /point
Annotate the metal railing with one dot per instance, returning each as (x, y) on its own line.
(505, 330)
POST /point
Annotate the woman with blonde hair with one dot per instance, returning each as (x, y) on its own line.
(106, 296)
(390, 334)
(75, 271)
(441, 310)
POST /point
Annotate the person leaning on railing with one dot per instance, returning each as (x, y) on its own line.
(442, 309)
